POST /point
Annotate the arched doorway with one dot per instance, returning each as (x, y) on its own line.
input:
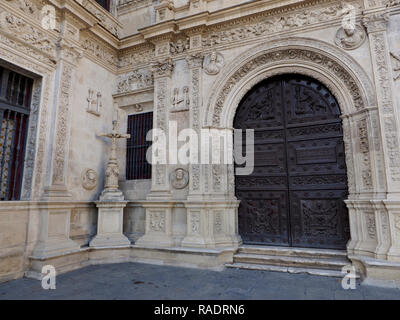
(294, 197)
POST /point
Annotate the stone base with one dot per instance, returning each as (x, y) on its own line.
(214, 259)
(112, 240)
(55, 247)
(109, 225)
(377, 272)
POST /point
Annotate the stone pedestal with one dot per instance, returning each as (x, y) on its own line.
(212, 224)
(109, 225)
(158, 225)
(54, 232)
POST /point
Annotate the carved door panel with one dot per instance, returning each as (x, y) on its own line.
(295, 194)
(263, 216)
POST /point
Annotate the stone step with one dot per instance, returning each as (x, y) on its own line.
(290, 251)
(311, 271)
(292, 261)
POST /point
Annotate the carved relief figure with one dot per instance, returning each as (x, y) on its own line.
(213, 63)
(89, 179)
(180, 102)
(350, 37)
(179, 178)
(94, 104)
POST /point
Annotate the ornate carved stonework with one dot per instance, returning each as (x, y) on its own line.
(195, 222)
(287, 55)
(164, 68)
(267, 23)
(179, 46)
(62, 125)
(180, 100)
(179, 178)
(365, 152)
(137, 79)
(350, 38)
(89, 179)
(157, 221)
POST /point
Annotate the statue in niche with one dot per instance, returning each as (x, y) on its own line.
(213, 63)
(350, 37)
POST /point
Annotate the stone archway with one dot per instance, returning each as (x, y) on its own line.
(337, 71)
(295, 194)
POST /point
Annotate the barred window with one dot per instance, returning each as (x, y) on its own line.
(15, 99)
(104, 3)
(137, 166)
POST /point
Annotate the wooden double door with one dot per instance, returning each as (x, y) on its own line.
(294, 197)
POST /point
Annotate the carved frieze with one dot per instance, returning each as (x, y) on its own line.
(265, 23)
(137, 79)
(18, 28)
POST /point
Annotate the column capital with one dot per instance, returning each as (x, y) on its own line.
(376, 21)
(163, 69)
(195, 60)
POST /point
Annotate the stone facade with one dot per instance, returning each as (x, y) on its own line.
(191, 61)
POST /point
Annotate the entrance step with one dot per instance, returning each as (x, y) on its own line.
(293, 260)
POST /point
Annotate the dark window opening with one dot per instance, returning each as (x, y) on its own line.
(104, 3)
(15, 100)
(137, 166)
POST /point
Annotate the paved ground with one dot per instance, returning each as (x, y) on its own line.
(143, 281)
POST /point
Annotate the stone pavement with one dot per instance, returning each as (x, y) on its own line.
(144, 281)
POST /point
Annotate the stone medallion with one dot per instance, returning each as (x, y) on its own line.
(179, 178)
(213, 63)
(350, 38)
(89, 179)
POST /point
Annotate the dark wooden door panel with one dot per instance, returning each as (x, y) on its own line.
(295, 194)
(318, 219)
(263, 217)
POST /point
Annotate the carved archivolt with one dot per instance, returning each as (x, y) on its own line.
(326, 63)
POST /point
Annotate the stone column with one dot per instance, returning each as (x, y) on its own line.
(160, 187)
(56, 188)
(376, 22)
(158, 230)
(211, 209)
(55, 216)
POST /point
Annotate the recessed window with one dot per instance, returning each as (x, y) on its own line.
(15, 100)
(137, 166)
(104, 3)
